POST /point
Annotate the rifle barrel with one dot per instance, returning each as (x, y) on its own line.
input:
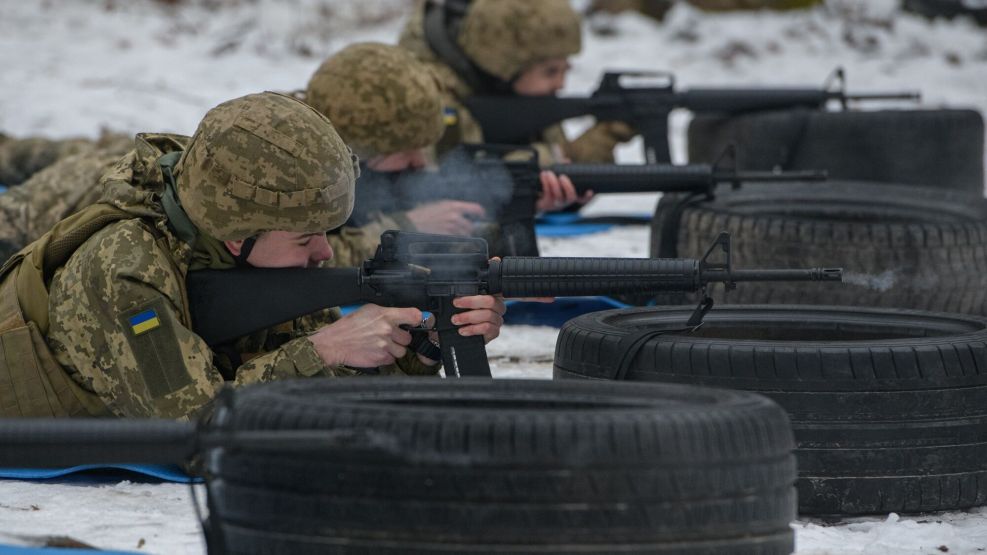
(801, 175)
(903, 95)
(795, 274)
(60, 442)
(51, 443)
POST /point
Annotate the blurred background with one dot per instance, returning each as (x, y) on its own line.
(78, 67)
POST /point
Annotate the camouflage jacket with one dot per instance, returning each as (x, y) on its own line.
(120, 317)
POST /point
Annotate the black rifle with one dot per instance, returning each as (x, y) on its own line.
(61, 442)
(513, 119)
(428, 271)
(516, 217)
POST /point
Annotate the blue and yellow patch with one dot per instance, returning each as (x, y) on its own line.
(450, 116)
(144, 322)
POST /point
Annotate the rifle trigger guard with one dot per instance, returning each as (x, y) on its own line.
(415, 329)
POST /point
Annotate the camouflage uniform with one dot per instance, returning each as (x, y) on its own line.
(56, 192)
(382, 101)
(22, 158)
(502, 38)
(258, 163)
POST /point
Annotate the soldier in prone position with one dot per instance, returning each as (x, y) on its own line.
(506, 47)
(20, 158)
(94, 317)
(388, 107)
(61, 178)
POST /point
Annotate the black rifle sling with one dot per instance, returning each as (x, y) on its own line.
(441, 25)
(630, 345)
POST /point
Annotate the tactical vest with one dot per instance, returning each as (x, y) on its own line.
(32, 383)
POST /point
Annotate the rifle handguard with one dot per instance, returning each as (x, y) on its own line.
(572, 276)
(636, 178)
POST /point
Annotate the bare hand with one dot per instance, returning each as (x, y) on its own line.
(485, 316)
(558, 192)
(448, 217)
(367, 338)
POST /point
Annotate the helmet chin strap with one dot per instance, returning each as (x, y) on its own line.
(245, 249)
(178, 220)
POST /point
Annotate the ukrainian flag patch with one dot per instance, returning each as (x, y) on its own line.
(144, 322)
(450, 116)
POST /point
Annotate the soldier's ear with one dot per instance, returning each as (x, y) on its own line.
(235, 247)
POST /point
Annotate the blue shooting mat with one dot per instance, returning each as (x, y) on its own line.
(571, 224)
(164, 472)
(569, 230)
(525, 313)
(3, 189)
(14, 550)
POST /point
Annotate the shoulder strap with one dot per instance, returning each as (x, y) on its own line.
(34, 266)
(442, 20)
(178, 220)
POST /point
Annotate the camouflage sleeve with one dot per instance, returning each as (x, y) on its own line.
(119, 326)
(352, 245)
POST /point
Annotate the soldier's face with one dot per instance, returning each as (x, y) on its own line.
(542, 78)
(413, 159)
(286, 249)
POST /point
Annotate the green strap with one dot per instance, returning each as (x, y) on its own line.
(178, 220)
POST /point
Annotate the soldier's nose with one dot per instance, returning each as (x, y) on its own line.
(321, 250)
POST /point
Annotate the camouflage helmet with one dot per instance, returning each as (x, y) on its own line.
(380, 98)
(265, 162)
(505, 36)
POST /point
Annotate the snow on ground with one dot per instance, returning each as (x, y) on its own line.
(126, 516)
(76, 67)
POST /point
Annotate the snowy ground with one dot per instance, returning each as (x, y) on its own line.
(76, 67)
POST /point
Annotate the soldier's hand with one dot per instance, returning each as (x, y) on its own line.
(557, 192)
(485, 316)
(448, 217)
(596, 145)
(366, 338)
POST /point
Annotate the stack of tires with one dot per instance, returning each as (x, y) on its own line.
(885, 376)
(889, 407)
